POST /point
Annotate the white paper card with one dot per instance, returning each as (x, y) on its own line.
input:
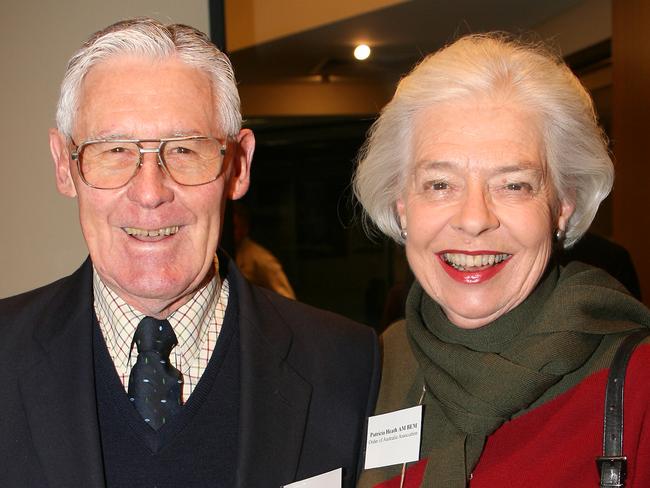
(331, 479)
(394, 438)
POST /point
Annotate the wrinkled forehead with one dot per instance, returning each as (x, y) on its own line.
(477, 129)
(134, 94)
(129, 71)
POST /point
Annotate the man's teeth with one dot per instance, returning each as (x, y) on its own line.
(462, 261)
(165, 231)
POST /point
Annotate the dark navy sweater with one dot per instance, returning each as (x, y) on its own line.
(197, 448)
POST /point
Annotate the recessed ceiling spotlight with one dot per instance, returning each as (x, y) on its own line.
(361, 52)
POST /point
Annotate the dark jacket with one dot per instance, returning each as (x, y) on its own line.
(308, 382)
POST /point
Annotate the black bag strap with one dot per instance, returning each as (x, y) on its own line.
(612, 464)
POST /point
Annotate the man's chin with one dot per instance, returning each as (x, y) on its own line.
(153, 297)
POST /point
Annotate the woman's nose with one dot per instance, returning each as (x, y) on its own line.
(475, 213)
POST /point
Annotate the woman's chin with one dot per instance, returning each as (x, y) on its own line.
(471, 319)
(476, 310)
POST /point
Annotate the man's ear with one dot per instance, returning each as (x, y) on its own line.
(62, 161)
(242, 159)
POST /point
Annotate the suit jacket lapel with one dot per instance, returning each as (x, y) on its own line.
(58, 388)
(274, 398)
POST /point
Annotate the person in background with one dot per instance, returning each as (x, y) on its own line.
(485, 163)
(256, 263)
(156, 363)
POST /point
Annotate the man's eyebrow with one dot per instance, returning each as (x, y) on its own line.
(186, 133)
(130, 136)
(108, 136)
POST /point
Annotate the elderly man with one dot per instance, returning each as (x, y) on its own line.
(156, 363)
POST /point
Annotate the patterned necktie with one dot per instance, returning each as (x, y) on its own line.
(154, 384)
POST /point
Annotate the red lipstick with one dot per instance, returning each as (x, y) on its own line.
(472, 277)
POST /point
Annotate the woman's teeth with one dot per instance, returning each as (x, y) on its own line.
(165, 231)
(463, 261)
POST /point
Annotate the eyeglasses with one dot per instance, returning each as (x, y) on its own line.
(108, 164)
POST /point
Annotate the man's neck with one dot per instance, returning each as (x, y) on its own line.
(160, 307)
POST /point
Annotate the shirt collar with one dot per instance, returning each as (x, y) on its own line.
(118, 320)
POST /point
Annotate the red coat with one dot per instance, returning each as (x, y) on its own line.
(557, 443)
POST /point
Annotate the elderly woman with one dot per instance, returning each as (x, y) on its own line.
(487, 161)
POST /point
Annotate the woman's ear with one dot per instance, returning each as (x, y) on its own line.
(62, 161)
(565, 211)
(400, 207)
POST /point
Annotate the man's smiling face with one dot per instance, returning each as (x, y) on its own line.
(152, 241)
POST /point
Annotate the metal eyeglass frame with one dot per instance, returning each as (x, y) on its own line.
(144, 150)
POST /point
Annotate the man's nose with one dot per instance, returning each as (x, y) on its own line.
(475, 213)
(150, 187)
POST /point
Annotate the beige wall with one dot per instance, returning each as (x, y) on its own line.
(631, 101)
(40, 238)
(251, 22)
(579, 27)
(311, 99)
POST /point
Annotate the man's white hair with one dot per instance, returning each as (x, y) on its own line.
(150, 39)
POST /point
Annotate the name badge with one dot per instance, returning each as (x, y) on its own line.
(331, 479)
(394, 438)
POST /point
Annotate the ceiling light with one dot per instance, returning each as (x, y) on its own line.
(361, 52)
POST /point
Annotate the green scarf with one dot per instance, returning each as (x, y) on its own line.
(478, 379)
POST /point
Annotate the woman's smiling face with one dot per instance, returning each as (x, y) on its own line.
(479, 208)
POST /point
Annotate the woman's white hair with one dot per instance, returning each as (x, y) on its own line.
(149, 38)
(484, 65)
